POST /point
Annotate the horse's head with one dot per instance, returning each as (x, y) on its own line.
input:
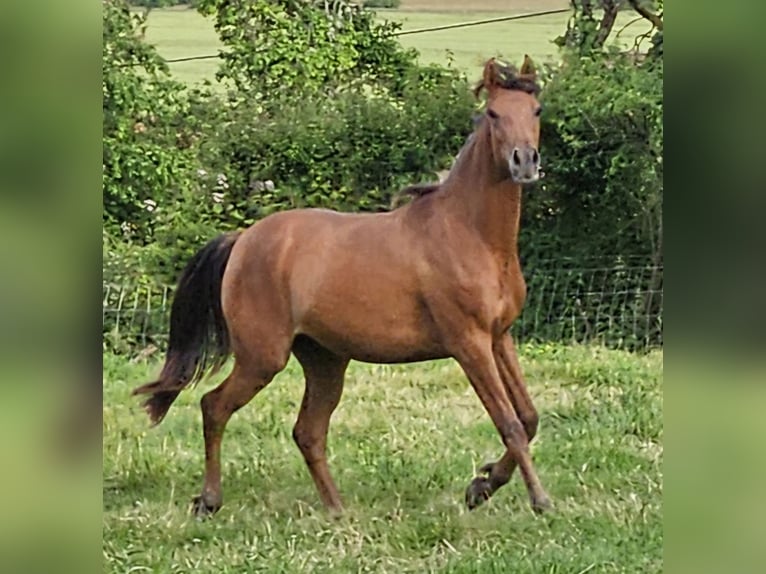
(513, 113)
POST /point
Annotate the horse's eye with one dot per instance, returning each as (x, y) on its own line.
(492, 114)
(538, 111)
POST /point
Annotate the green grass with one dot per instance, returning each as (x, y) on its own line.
(404, 444)
(181, 33)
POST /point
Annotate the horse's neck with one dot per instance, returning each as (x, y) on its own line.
(486, 198)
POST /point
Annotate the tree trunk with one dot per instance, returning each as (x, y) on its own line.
(646, 13)
(607, 21)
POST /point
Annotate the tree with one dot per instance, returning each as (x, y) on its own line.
(586, 31)
(283, 46)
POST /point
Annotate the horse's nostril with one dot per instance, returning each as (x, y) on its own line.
(535, 156)
(515, 157)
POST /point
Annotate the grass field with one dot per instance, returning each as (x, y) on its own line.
(181, 33)
(404, 443)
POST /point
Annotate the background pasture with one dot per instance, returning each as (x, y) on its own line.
(182, 32)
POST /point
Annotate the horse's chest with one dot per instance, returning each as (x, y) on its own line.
(513, 292)
(493, 298)
(512, 301)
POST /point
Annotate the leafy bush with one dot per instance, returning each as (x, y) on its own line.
(350, 153)
(601, 140)
(146, 139)
(304, 46)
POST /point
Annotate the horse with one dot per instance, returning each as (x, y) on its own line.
(438, 277)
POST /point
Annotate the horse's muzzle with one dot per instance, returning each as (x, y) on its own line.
(524, 164)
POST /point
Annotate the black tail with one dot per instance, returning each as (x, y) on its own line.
(199, 337)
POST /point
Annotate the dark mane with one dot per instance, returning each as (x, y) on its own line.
(415, 191)
(509, 78)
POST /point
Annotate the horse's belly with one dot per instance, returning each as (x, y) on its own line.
(365, 330)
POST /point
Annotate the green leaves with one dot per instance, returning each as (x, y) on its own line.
(601, 137)
(142, 105)
(350, 152)
(297, 47)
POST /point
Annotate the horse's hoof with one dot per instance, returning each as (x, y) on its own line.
(542, 504)
(201, 509)
(477, 492)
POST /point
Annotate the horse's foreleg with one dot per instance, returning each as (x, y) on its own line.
(477, 360)
(324, 373)
(510, 371)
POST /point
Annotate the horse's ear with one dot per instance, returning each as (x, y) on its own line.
(488, 79)
(490, 76)
(528, 68)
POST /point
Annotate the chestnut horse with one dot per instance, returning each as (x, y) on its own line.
(438, 277)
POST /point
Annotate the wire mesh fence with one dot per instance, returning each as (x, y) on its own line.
(619, 305)
(135, 315)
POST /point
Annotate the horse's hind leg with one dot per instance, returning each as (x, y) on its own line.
(324, 372)
(247, 378)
